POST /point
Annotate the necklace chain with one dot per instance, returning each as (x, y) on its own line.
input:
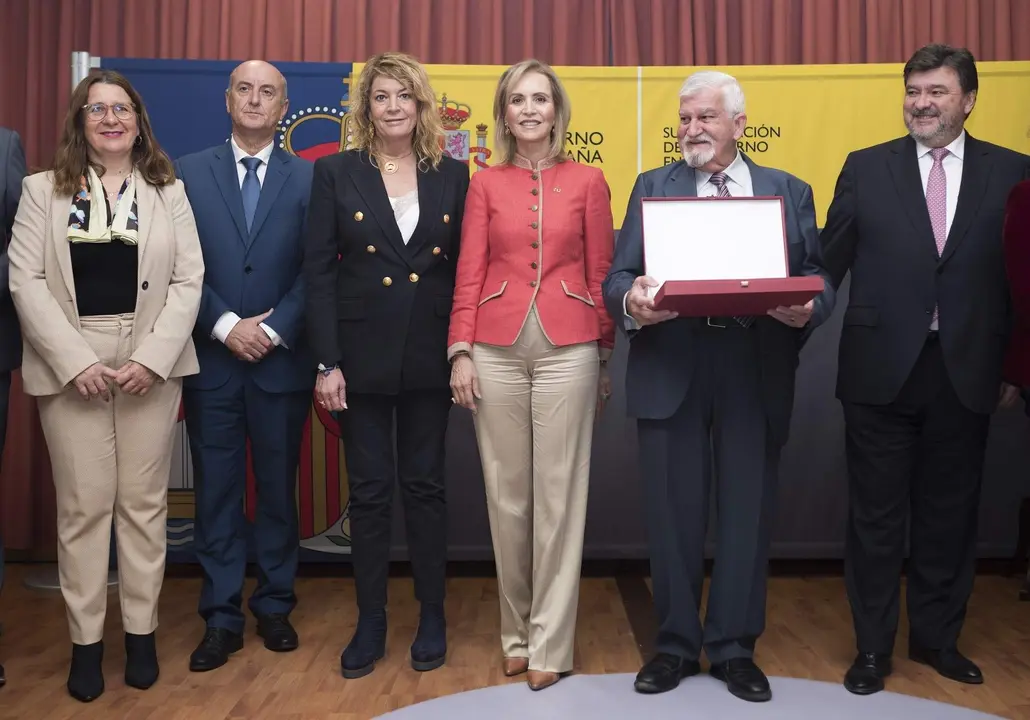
(391, 165)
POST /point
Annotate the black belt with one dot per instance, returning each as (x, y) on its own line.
(723, 322)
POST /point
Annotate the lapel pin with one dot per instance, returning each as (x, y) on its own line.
(359, 216)
(446, 218)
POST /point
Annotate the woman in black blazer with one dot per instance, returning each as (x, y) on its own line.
(381, 248)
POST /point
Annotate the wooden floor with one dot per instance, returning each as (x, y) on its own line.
(808, 636)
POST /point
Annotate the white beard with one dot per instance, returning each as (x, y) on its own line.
(698, 158)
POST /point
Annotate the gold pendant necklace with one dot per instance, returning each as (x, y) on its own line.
(391, 165)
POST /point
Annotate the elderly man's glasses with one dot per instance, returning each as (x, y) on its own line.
(98, 111)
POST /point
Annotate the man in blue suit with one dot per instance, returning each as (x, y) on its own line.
(256, 375)
(711, 392)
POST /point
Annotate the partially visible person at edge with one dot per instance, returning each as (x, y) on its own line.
(384, 229)
(529, 342)
(250, 199)
(1017, 266)
(12, 173)
(106, 274)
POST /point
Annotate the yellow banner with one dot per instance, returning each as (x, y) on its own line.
(803, 119)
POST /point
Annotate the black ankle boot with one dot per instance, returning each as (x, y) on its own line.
(429, 649)
(141, 668)
(367, 645)
(86, 677)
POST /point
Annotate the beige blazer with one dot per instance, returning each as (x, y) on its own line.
(171, 277)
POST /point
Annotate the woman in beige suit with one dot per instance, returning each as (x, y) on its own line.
(106, 273)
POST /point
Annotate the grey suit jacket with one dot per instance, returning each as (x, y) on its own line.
(12, 172)
(660, 363)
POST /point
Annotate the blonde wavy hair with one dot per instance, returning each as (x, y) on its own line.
(504, 141)
(427, 143)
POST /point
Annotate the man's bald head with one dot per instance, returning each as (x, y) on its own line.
(259, 70)
(256, 100)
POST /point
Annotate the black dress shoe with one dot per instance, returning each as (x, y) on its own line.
(214, 650)
(86, 677)
(141, 669)
(3, 678)
(743, 678)
(663, 672)
(429, 649)
(366, 647)
(866, 674)
(950, 663)
(277, 632)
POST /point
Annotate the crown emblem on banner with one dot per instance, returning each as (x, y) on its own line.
(453, 114)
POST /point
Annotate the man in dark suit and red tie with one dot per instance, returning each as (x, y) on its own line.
(12, 172)
(256, 373)
(918, 223)
(714, 392)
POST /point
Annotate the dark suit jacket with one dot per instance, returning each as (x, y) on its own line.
(251, 273)
(376, 306)
(661, 356)
(1017, 266)
(12, 172)
(878, 227)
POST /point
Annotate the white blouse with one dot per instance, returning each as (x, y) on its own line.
(405, 210)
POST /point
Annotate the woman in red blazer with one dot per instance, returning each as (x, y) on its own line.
(1017, 262)
(529, 340)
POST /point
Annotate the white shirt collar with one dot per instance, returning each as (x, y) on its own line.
(957, 146)
(736, 171)
(263, 154)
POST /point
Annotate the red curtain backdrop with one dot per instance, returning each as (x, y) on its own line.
(37, 38)
(812, 32)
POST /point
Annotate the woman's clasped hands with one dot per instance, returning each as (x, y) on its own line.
(97, 380)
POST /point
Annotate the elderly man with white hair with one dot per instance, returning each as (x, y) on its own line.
(711, 393)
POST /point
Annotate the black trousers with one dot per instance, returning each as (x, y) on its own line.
(918, 460)
(368, 438)
(722, 429)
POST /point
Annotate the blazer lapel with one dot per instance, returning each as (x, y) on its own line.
(60, 214)
(276, 173)
(976, 172)
(228, 181)
(762, 183)
(369, 182)
(146, 198)
(682, 182)
(430, 195)
(904, 168)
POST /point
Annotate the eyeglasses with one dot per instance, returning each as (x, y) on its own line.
(98, 111)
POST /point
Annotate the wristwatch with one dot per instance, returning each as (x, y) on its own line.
(327, 370)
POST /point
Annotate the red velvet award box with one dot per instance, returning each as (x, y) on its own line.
(720, 256)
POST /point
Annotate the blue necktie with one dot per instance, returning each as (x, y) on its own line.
(251, 188)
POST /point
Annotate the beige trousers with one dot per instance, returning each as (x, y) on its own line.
(534, 426)
(111, 460)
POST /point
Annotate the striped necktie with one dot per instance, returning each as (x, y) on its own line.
(719, 180)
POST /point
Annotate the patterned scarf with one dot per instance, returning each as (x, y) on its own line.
(89, 222)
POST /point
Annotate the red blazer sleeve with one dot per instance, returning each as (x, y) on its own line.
(472, 264)
(599, 238)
